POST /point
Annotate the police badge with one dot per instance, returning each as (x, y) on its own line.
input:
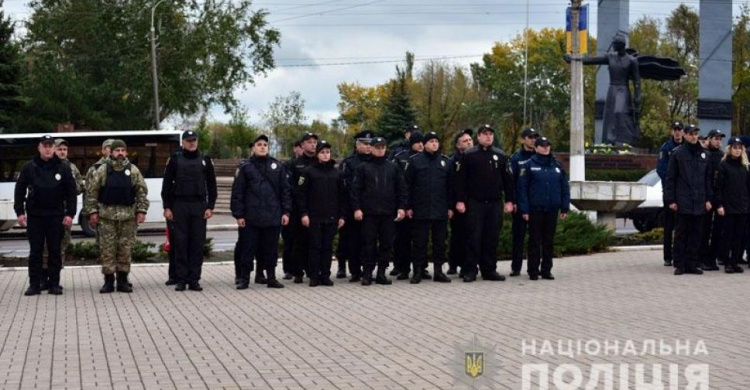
(127, 172)
(57, 176)
(273, 166)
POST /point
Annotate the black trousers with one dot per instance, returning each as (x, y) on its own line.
(731, 244)
(301, 246)
(422, 231)
(321, 250)
(542, 225)
(483, 223)
(260, 242)
(172, 269)
(189, 238)
(41, 230)
(351, 245)
(402, 246)
(288, 252)
(378, 232)
(709, 249)
(669, 220)
(518, 231)
(687, 236)
(458, 248)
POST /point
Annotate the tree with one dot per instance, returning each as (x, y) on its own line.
(10, 74)
(398, 112)
(284, 119)
(741, 72)
(360, 107)
(96, 73)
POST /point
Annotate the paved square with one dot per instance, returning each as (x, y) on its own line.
(380, 337)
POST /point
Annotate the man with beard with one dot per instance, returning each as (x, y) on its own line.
(116, 202)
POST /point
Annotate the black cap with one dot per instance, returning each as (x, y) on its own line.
(677, 125)
(258, 138)
(416, 138)
(322, 144)
(468, 132)
(46, 138)
(411, 129)
(189, 135)
(735, 140)
(378, 141)
(542, 141)
(702, 138)
(691, 128)
(484, 128)
(298, 144)
(716, 133)
(307, 136)
(364, 136)
(529, 132)
(430, 136)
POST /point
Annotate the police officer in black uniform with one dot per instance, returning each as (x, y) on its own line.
(712, 234)
(403, 145)
(429, 177)
(189, 195)
(378, 194)
(261, 202)
(483, 178)
(322, 199)
(665, 153)
(402, 255)
(300, 239)
(45, 202)
(732, 202)
(688, 192)
(457, 255)
(543, 193)
(517, 161)
(287, 235)
(350, 235)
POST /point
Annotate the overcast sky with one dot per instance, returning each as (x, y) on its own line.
(327, 42)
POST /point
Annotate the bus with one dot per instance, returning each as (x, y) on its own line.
(148, 150)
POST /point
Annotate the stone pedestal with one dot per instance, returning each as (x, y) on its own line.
(715, 74)
(607, 198)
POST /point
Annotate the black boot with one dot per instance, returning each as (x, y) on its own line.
(341, 274)
(33, 289)
(416, 279)
(380, 277)
(123, 285)
(273, 283)
(109, 284)
(367, 276)
(260, 278)
(243, 284)
(441, 277)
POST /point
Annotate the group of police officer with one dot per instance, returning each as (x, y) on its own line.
(371, 199)
(393, 205)
(706, 193)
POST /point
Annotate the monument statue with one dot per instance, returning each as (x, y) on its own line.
(621, 111)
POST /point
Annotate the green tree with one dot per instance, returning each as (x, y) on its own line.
(398, 112)
(741, 72)
(285, 120)
(10, 74)
(88, 61)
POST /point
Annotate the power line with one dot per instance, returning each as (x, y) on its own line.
(376, 62)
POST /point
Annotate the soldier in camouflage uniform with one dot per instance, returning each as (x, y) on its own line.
(106, 151)
(61, 150)
(116, 201)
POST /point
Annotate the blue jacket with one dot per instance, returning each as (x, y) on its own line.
(517, 161)
(543, 186)
(664, 154)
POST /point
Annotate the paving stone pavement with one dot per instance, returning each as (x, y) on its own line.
(380, 337)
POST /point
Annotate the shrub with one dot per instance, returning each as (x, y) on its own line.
(653, 237)
(141, 252)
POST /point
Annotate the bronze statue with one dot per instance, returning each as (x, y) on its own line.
(621, 112)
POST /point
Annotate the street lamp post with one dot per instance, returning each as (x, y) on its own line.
(155, 76)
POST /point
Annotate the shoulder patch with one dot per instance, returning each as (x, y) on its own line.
(301, 181)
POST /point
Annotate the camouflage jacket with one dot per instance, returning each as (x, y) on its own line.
(90, 171)
(77, 175)
(115, 212)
